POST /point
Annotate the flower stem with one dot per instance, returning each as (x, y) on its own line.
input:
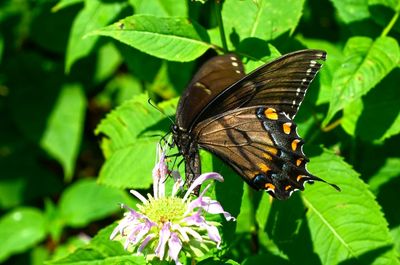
(391, 23)
(220, 24)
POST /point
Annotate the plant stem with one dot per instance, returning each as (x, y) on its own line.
(391, 24)
(331, 126)
(220, 24)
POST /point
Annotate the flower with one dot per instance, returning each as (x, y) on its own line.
(163, 227)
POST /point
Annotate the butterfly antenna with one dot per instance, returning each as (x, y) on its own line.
(160, 110)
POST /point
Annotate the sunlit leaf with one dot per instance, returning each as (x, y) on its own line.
(19, 230)
(350, 11)
(63, 133)
(133, 130)
(338, 236)
(169, 38)
(262, 19)
(366, 62)
(161, 8)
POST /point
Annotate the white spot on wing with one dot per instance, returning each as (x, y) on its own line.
(313, 63)
(308, 71)
(233, 58)
(235, 64)
(237, 71)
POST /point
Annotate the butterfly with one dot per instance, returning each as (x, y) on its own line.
(247, 120)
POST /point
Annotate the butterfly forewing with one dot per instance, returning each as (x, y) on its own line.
(212, 78)
(280, 84)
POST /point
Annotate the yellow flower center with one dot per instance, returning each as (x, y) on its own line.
(165, 209)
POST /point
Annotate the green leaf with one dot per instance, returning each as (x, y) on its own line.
(133, 130)
(380, 105)
(108, 61)
(349, 225)
(366, 63)
(263, 19)
(161, 8)
(350, 10)
(94, 15)
(101, 250)
(63, 134)
(394, 4)
(244, 221)
(86, 201)
(174, 39)
(390, 170)
(19, 230)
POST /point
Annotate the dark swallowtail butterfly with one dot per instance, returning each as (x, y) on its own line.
(247, 120)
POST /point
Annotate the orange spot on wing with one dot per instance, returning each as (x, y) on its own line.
(288, 187)
(294, 144)
(271, 114)
(299, 161)
(267, 156)
(299, 177)
(286, 127)
(269, 186)
(263, 167)
(272, 150)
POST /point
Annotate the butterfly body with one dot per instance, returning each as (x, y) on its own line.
(247, 120)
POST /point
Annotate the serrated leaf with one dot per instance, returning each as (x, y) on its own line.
(381, 105)
(174, 39)
(63, 134)
(20, 230)
(345, 226)
(263, 19)
(133, 130)
(94, 15)
(86, 201)
(350, 10)
(366, 62)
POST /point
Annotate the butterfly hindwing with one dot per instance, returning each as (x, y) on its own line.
(261, 145)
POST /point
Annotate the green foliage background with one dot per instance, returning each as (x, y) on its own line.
(77, 131)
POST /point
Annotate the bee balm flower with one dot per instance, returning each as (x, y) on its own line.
(164, 226)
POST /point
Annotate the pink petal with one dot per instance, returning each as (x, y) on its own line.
(210, 206)
(200, 180)
(145, 242)
(164, 236)
(174, 247)
(159, 173)
(198, 220)
(181, 231)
